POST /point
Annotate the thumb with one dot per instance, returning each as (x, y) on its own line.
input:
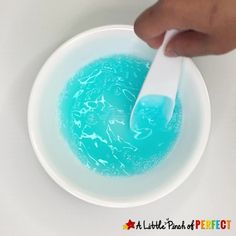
(189, 43)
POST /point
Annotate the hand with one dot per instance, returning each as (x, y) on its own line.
(208, 26)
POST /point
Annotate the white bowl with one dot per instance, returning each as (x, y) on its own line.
(59, 161)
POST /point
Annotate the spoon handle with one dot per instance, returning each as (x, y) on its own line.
(168, 36)
(164, 74)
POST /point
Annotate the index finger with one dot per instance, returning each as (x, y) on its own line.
(163, 16)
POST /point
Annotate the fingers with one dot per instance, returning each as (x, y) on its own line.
(156, 42)
(156, 20)
(205, 28)
(151, 24)
(189, 44)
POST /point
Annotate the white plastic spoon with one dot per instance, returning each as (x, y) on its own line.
(156, 100)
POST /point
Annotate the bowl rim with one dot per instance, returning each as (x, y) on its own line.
(196, 156)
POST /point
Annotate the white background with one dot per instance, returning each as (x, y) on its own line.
(30, 202)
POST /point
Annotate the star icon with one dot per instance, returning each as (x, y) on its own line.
(130, 224)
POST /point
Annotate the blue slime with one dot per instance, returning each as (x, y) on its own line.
(94, 114)
(151, 111)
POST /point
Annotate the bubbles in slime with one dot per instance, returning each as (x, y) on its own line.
(94, 113)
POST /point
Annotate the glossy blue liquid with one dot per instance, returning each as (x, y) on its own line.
(151, 111)
(94, 114)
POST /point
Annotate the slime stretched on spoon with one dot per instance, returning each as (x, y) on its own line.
(156, 100)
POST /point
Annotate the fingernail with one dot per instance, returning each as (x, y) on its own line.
(170, 52)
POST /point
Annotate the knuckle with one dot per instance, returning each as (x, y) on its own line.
(151, 12)
(138, 27)
(140, 32)
(142, 23)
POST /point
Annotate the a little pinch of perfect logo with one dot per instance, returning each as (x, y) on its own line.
(223, 224)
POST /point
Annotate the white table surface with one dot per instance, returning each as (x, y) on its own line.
(30, 202)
